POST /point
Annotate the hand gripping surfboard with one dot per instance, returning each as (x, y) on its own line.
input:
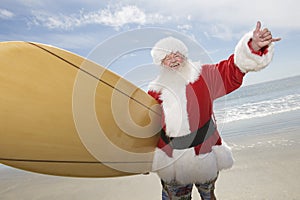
(61, 114)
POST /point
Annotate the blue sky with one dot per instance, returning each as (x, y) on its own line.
(83, 26)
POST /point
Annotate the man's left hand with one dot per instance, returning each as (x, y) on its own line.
(262, 38)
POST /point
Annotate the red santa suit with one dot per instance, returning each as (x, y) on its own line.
(186, 96)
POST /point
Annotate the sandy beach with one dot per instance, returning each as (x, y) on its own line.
(266, 167)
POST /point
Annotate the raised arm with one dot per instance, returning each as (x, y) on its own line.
(255, 50)
(252, 53)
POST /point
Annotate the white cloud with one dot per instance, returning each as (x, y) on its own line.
(222, 19)
(231, 12)
(229, 19)
(116, 18)
(54, 21)
(111, 16)
(5, 14)
(185, 27)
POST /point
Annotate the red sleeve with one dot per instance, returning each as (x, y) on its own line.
(222, 78)
(262, 51)
(155, 95)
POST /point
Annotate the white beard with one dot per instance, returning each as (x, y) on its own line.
(172, 85)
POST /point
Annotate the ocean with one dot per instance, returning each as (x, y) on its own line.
(275, 104)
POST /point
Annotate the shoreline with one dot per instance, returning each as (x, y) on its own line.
(277, 123)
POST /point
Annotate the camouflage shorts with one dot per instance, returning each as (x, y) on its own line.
(175, 191)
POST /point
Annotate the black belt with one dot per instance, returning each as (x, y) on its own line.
(191, 140)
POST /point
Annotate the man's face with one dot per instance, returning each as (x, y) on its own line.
(173, 60)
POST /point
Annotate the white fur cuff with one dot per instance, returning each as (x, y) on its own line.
(247, 61)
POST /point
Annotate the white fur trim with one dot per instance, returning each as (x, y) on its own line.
(187, 168)
(172, 85)
(246, 61)
(224, 156)
(166, 46)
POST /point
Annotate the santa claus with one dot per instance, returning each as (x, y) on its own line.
(191, 150)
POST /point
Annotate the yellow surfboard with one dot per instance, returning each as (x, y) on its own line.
(61, 114)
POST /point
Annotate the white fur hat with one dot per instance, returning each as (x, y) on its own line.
(166, 46)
